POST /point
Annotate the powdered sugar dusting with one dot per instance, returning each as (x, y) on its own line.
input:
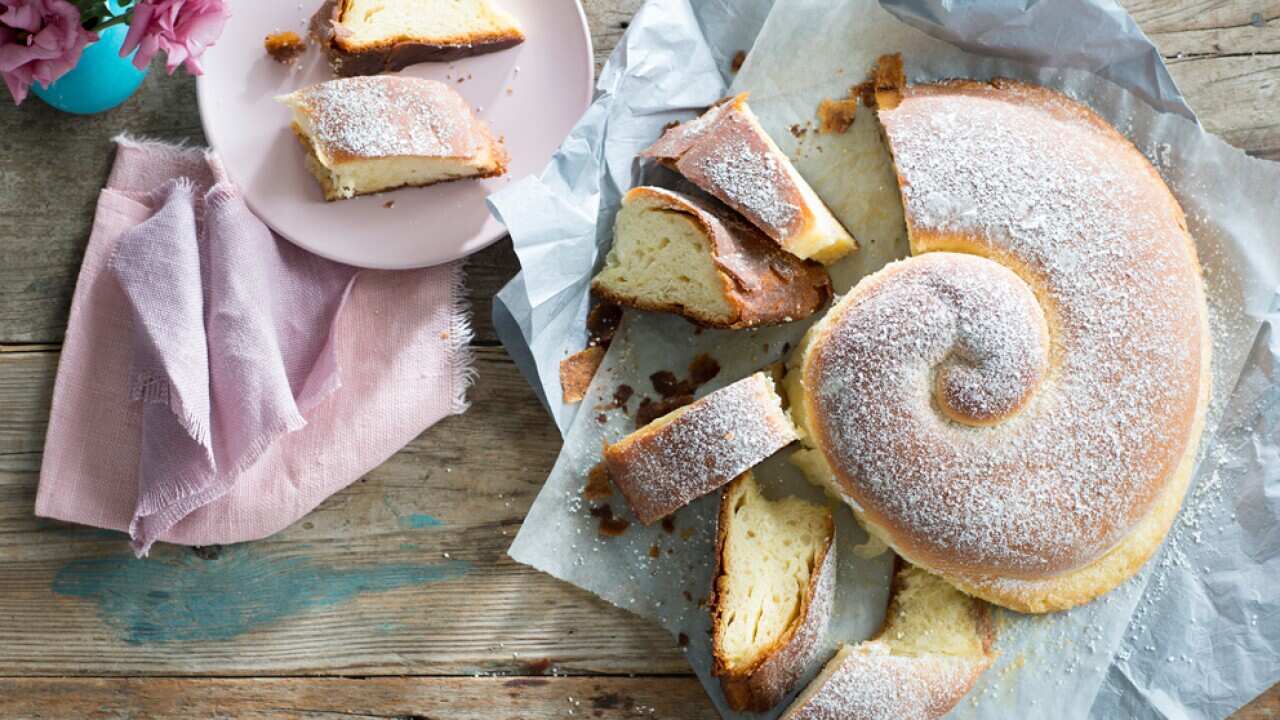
(716, 439)
(726, 153)
(1082, 217)
(867, 682)
(752, 181)
(386, 116)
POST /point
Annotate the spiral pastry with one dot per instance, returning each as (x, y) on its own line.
(1017, 407)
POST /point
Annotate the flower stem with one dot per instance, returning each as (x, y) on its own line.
(117, 20)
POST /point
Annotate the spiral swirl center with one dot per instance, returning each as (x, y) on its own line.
(999, 343)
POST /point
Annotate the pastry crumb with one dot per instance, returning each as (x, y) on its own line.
(836, 116)
(284, 47)
(598, 486)
(576, 372)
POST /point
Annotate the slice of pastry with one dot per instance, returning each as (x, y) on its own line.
(694, 257)
(727, 153)
(935, 643)
(697, 448)
(367, 37)
(772, 594)
(370, 134)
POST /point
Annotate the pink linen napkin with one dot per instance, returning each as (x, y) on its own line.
(217, 382)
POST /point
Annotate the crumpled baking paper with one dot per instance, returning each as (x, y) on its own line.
(1197, 632)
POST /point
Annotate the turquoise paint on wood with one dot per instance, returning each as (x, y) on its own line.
(418, 521)
(181, 597)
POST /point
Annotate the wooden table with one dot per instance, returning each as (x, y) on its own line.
(341, 615)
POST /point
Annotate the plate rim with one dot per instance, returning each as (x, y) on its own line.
(587, 96)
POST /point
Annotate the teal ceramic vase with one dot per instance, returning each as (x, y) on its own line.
(101, 80)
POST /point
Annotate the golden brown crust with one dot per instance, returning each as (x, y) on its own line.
(762, 684)
(348, 59)
(1130, 527)
(763, 284)
(697, 448)
(727, 154)
(331, 193)
(577, 371)
(688, 148)
(870, 681)
(419, 119)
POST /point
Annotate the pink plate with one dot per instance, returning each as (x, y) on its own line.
(531, 94)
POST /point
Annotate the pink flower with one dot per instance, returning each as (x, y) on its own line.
(183, 29)
(40, 41)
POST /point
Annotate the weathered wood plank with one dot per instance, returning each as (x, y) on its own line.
(384, 698)
(607, 698)
(608, 19)
(1221, 27)
(1225, 56)
(405, 572)
(1237, 97)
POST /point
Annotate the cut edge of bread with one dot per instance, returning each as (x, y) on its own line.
(351, 55)
(693, 256)
(933, 645)
(352, 178)
(662, 260)
(345, 177)
(756, 673)
(495, 27)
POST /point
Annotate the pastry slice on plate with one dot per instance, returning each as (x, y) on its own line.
(772, 594)
(367, 37)
(369, 134)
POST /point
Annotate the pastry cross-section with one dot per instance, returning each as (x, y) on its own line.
(934, 644)
(694, 257)
(367, 37)
(370, 134)
(773, 592)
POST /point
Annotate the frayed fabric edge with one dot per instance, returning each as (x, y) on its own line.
(462, 371)
(178, 149)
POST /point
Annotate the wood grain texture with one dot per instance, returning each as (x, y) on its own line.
(363, 585)
(440, 514)
(486, 698)
(380, 698)
(1209, 27)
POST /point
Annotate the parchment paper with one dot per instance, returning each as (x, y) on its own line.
(1196, 633)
